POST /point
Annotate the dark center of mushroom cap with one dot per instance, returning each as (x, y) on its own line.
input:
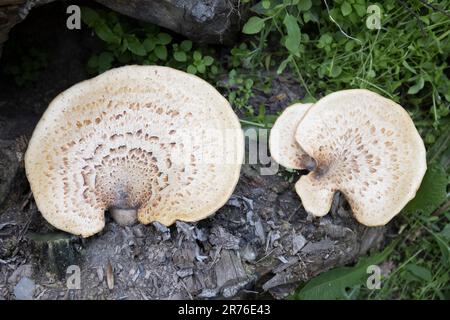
(308, 163)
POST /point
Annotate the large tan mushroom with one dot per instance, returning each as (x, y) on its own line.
(138, 140)
(284, 149)
(366, 147)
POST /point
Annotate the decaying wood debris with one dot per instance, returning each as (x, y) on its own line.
(261, 241)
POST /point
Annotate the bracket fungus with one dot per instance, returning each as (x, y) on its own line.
(284, 149)
(366, 147)
(144, 142)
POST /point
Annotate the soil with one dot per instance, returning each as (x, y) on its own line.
(261, 244)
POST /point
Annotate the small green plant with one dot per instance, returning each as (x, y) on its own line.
(328, 46)
(239, 91)
(27, 64)
(127, 42)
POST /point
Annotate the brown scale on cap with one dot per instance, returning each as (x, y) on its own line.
(365, 146)
(135, 141)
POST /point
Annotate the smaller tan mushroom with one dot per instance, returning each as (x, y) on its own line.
(366, 147)
(145, 143)
(284, 149)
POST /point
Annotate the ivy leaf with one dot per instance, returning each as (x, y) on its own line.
(135, 46)
(332, 284)
(161, 52)
(253, 25)
(292, 42)
(432, 192)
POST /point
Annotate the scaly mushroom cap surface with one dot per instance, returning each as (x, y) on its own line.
(284, 149)
(149, 138)
(365, 146)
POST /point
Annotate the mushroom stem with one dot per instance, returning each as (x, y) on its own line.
(308, 163)
(124, 217)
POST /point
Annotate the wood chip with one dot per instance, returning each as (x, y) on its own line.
(110, 276)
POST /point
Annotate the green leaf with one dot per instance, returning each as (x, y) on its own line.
(118, 29)
(191, 69)
(407, 66)
(89, 16)
(333, 284)
(135, 46)
(446, 232)
(360, 9)
(283, 65)
(124, 58)
(149, 44)
(180, 56)
(349, 46)
(93, 62)
(432, 192)
(440, 151)
(324, 40)
(104, 32)
(104, 61)
(161, 52)
(201, 68)
(417, 87)
(420, 272)
(186, 45)
(164, 38)
(208, 60)
(346, 8)
(292, 42)
(308, 99)
(253, 25)
(443, 240)
(214, 69)
(197, 56)
(304, 5)
(266, 4)
(335, 71)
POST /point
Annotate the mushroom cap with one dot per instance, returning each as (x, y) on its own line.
(284, 149)
(365, 146)
(149, 138)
